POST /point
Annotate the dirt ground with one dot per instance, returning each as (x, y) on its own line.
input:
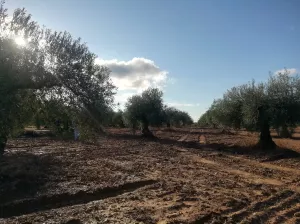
(184, 176)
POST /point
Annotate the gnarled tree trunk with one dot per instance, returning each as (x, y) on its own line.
(265, 139)
(145, 129)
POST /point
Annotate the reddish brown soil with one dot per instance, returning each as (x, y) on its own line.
(184, 176)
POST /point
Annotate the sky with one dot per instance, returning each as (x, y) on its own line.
(193, 50)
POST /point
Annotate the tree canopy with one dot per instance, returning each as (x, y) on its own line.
(175, 117)
(241, 107)
(148, 109)
(52, 79)
(52, 68)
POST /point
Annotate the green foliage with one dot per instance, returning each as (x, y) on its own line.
(56, 116)
(115, 119)
(175, 117)
(130, 121)
(146, 108)
(118, 119)
(283, 94)
(253, 97)
(52, 77)
(53, 80)
(206, 119)
(279, 97)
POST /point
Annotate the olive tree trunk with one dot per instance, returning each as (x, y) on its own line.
(265, 139)
(168, 124)
(284, 132)
(3, 140)
(145, 129)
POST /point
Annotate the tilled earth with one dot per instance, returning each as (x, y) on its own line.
(184, 176)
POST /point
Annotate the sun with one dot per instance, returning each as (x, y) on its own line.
(20, 41)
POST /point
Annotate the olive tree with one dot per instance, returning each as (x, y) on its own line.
(170, 113)
(118, 119)
(259, 107)
(253, 96)
(205, 119)
(146, 108)
(284, 102)
(213, 116)
(175, 117)
(52, 66)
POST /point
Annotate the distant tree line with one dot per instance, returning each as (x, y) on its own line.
(258, 107)
(148, 109)
(145, 110)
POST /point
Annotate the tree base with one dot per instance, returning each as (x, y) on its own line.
(147, 133)
(266, 145)
(284, 133)
(2, 146)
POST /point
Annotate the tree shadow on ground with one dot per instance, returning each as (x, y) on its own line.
(198, 131)
(251, 150)
(292, 137)
(24, 174)
(128, 137)
(256, 151)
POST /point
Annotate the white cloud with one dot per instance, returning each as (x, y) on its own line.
(176, 104)
(137, 74)
(122, 97)
(291, 71)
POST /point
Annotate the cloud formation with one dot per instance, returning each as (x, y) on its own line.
(176, 104)
(137, 74)
(291, 71)
(122, 97)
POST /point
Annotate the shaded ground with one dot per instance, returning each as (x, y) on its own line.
(184, 176)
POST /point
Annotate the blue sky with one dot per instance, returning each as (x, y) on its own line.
(194, 50)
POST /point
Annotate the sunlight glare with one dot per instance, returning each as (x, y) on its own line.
(20, 41)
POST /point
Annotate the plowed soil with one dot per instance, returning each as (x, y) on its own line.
(183, 176)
